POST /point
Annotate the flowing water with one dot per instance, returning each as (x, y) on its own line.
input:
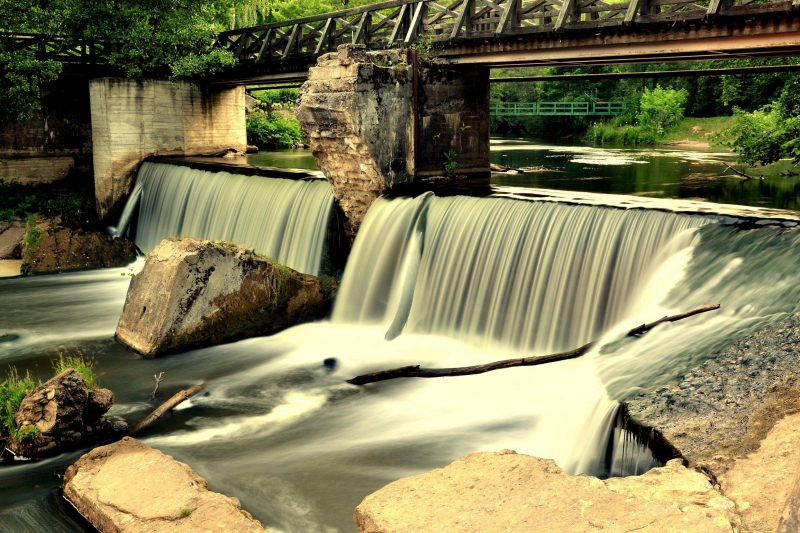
(439, 282)
(282, 219)
(656, 172)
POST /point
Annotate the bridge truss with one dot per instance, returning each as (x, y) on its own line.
(399, 23)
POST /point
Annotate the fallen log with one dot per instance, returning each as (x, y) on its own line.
(165, 407)
(414, 371)
(742, 174)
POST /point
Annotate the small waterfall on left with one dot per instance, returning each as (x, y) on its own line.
(283, 219)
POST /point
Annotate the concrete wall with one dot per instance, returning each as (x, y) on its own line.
(361, 117)
(55, 140)
(454, 113)
(134, 119)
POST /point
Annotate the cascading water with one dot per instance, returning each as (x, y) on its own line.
(535, 276)
(283, 219)
(456, 281)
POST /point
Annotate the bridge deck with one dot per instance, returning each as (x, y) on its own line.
(498, 33)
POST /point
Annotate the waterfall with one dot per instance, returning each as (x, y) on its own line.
(535, 276)
(283, 219)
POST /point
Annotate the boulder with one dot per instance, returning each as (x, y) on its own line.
(760, 482)
(66, 415)
(722, 410)
(194, 293)
(52, 248)
(500, 492)
(130, 487)
(11, 234)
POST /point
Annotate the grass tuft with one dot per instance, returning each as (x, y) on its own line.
(81, 364)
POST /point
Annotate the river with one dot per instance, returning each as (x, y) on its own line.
(496, 276)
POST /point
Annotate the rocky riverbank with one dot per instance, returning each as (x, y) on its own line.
(724, 408)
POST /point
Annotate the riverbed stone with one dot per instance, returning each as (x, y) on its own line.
(51, 248)
(723, 409)
(11, 234)
(506, 491)
(65, 415)
(193, 293)
(129, 487)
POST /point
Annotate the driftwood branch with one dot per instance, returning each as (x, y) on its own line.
(742, 174)
(415, 371)
(158, 381)
(165, 407)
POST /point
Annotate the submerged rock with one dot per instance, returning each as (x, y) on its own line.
(194, 293)
(130, 487)
(50, 248)
(499, 492)
(65, 415)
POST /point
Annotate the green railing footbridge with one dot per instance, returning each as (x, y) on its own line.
(527, 109)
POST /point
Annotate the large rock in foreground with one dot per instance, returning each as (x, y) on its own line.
(130, 487)
(194, 293)
(57, 249)
(66, 415)
(500, 492)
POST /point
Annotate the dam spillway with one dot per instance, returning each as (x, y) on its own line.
(464, 281)
(283, 219)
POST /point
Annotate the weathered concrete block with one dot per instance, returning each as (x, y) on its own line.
(134, 119)
(194, 293)
(129, 487)
(500, 492)
(369, 132)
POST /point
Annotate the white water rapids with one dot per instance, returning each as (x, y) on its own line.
(459, 281)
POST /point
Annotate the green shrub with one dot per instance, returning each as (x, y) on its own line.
(660, 109)
(71, 199)
(284, 97)
(270, 130)
(763, 136)
(12, 390)
(83, 365)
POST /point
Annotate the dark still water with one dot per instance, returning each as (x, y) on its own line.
(657, 172)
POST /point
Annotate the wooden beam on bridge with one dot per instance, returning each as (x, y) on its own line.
(416, 23)
(464, 20)
(568, 13)
(733, 71)
(719, 8)
(508, 20)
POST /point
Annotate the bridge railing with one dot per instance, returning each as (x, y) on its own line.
(398, 23)
(56, 48)
(518, 109)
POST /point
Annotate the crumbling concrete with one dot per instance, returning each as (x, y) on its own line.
(370, 131)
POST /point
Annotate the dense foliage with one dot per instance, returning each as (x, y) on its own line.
(71, 199)
(270, 130)
(706, 96)
(770, 133)
(272, 125)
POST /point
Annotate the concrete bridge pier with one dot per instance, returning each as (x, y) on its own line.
(135, 119)
(381, 120)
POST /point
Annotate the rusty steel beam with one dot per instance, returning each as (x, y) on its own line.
(699, 43)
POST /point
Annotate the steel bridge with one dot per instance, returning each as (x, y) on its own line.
(528, 109)
(498, 33)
